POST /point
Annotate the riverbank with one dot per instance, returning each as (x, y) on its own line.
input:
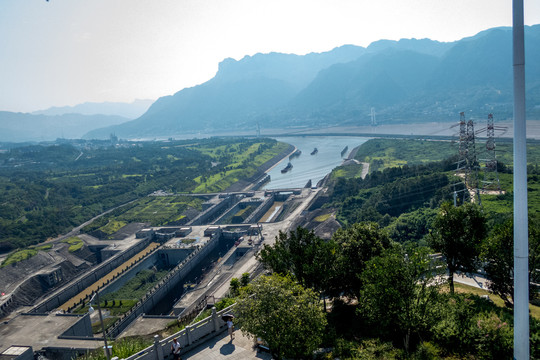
(241, 185)
(431, 130)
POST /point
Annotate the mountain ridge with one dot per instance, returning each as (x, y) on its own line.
(408, 80)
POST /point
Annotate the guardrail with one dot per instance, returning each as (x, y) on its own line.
(190, 337)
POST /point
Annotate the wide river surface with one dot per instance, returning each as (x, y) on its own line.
(314, 167)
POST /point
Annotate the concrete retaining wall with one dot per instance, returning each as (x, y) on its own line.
(261, 210)
(80, 328)
(81, 283)
(207, 216)
(236, 208)
(167, 284)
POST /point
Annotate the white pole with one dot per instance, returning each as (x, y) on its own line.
(521, 241)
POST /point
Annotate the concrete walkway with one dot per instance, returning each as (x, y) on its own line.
(221, 347)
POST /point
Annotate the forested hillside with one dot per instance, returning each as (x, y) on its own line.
(46, 190)
(409, 179)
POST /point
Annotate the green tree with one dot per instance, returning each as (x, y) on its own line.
(498, 258)
(457, 234)
(234, 286)
(399, 291)
(244, 280)
(302, 254)
(282, 313)
(357, 245)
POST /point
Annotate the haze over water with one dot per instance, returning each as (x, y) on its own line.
(314, 167)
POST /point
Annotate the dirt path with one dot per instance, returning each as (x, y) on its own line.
(365, 169)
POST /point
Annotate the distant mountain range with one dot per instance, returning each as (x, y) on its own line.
(127, 110)
(405, 81)
(69, 122)
(22, 127)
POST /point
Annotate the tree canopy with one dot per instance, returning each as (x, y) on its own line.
(399, 288)
(285, 315)
(457, 233)
(357, 245)
(498, 258)
(302, 254)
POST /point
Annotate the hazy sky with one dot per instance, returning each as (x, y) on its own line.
(65, 52)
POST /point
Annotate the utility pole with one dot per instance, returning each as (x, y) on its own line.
(96, 295)
(521, 239)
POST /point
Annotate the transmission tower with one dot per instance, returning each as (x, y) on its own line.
(467, 164)
(373, 119)
(491, 176)
(462, 156)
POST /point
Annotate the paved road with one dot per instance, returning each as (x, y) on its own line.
(221, 347)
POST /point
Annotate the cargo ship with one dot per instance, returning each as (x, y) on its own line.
(314, 151)
(297, 153)
(287, 168)
(344, 150)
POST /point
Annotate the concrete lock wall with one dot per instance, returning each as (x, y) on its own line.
(261, 210)
(82, 327)
(225, 209)
(167, 284)
(79, 284)
(120, 281)
(174, 257)
(210, 214)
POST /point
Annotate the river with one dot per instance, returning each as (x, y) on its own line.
(314, 167)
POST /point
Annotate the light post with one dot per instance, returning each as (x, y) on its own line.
(91, 310)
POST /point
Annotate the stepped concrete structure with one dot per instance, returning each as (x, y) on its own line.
(64, 334)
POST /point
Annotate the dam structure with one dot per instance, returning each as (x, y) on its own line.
(230, 227)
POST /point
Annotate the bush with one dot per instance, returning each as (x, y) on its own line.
(471, 325)
(427, 351)
(370, 349)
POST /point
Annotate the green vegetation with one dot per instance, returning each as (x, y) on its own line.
(137, 287)
(403, 199)
(47, 190)
(74, 243)
(457, 233)
(322, 218)
(347, 171)
(122, 348)
(19, 256)
(385, 153)
(238, 161)
(122, 300)
(376, 272)
(112, 226)
(392, 305)
(220, 305)
(154, 210)
(289, 334)
(44, 247)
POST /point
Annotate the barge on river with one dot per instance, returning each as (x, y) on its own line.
(287, 168)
